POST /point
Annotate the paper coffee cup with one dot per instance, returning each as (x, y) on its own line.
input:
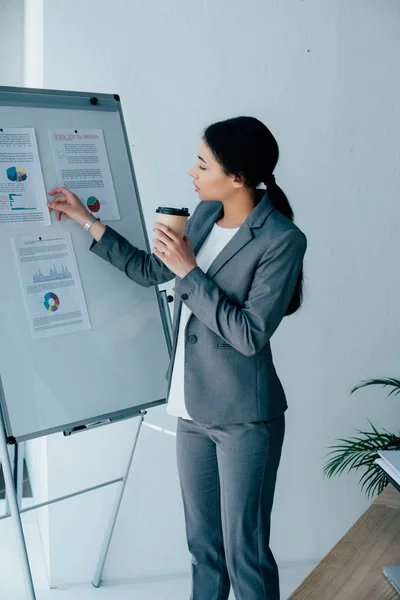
(175, 218)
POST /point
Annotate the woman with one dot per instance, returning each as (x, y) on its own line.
(238, 272)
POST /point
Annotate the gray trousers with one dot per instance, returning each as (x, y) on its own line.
(227, 475)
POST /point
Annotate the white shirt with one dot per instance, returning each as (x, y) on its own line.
(212, 246)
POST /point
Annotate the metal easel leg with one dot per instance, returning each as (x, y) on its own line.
(14, 510)
(18, 460)
(11, 454)
(111, 526)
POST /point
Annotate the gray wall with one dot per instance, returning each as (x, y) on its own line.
(11, 42)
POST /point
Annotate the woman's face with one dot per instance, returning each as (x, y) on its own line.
(209, 180)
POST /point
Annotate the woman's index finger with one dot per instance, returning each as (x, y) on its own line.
(59, 190)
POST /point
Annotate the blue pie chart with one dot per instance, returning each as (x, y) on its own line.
(51, 302)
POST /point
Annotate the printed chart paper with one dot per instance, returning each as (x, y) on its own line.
(83, 167)
(51, 285)
(22, 194)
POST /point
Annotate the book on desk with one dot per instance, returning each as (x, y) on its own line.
(389, 461)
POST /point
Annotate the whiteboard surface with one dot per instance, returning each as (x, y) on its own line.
(52, 384)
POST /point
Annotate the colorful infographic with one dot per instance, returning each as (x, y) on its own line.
(23, 198)
(51, 302)
(51, 284)
(16, 174)
(93, 204)
(82, 165)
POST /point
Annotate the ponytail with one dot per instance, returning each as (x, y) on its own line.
(281, 203)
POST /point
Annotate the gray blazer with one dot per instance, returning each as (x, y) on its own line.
(229, 375)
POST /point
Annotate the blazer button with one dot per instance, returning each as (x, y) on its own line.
(185, 296)
(192, 339)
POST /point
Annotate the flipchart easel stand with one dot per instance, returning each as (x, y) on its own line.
(13, 484)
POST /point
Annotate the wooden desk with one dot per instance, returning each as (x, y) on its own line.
(353, 568)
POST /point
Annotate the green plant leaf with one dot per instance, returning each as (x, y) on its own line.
(373, 481)
(360, 452)
(386, 381)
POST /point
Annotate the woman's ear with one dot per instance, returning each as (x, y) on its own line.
(238, 181)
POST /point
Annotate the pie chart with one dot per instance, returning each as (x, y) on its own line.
(51, 302)
(93, 204)
(16, 174)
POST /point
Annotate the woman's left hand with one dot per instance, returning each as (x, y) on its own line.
(175, 252)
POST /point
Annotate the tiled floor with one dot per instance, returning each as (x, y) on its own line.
(12, 585)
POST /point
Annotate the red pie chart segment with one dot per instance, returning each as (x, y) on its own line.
(93, 204)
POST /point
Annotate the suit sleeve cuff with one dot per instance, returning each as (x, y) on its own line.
(107, 240)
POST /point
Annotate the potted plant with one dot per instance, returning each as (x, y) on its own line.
(360, 452)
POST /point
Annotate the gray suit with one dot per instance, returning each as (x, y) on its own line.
(237, 305)
(229, 454)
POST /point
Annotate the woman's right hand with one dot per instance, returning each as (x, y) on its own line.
(68, 204)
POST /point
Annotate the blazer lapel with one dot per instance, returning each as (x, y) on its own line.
(242, 237)
(201, 232)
